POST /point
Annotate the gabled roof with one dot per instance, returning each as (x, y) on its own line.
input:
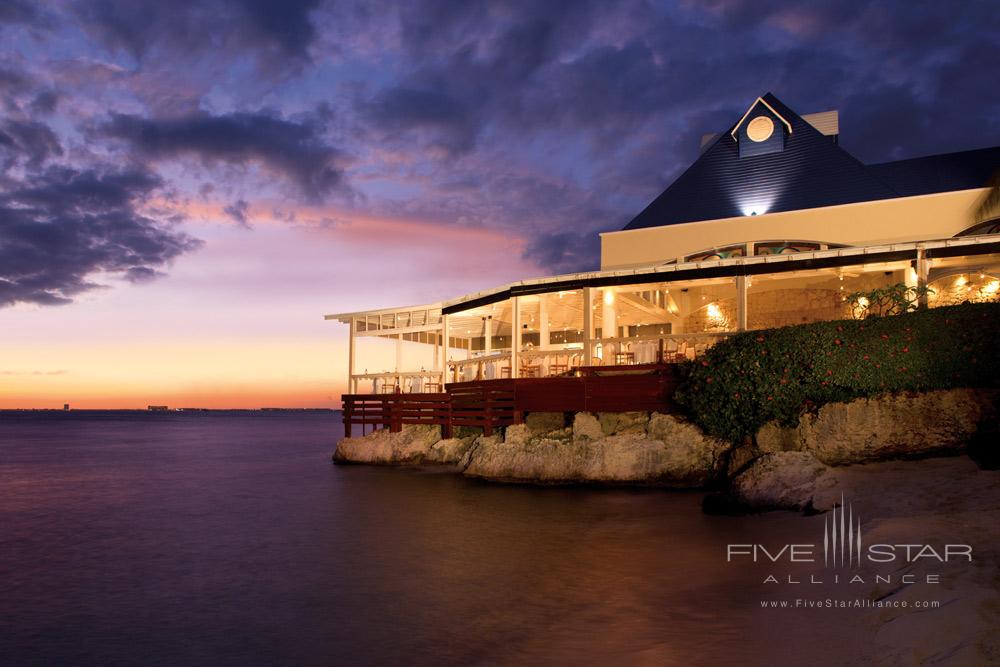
(760, 100)
(810, 172)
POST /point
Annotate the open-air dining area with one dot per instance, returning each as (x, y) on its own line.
(611, 340)
(572, 325)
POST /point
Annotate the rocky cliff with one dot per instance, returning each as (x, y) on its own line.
(783, 467)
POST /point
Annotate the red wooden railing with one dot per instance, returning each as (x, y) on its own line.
(488, 404)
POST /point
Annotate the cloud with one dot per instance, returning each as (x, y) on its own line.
(27, 142)
(238, 211)
(276, 32)
(61, 226)
(295, 150)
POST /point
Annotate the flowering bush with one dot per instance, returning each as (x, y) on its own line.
(889, 300)
(754, 377)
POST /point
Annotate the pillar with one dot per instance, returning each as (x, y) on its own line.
(609, 314)
(399, 352)
(922, 270)
(543, 322)
(351, 382)
(515, 336)
(445, 336)
(741, 303)
(488, 335)
(588, 326)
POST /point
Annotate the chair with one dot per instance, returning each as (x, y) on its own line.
(432, 387)
(624, 358)
(529, 371)
(555, 370)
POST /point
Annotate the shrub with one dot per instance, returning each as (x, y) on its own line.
(890, 300)
(754, 377)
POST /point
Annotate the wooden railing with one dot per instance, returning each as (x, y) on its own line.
(391, 411)
(489, 404)
(484, 404)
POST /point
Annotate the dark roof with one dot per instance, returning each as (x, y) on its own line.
(939, 173)
(811, 171)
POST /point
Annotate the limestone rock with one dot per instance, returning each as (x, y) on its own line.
(775, 438)
(543, 422)
(621, 422)
(894, 426)
(681, 457)
(586, 427)
(410, 445)
(781, 480)
(448, 451)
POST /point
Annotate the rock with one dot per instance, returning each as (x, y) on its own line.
(410, 445)
(621, 422)
(543, 422)
(586, 427)
(774, 438)
(781, 480)
(906, 425)
(481, 441)
(683, 457)
(740, 457)
(448, 451)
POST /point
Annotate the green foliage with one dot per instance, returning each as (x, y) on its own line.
(890, 300)
(754, 377)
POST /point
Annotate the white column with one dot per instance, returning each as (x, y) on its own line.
(434, 361)
(588, 325)
(351, 382)
(487, 335)
(515, 338)
(445, 334)
(399, 352)
(609, 324)
(741, 303)
(923, 270)
(543, 322)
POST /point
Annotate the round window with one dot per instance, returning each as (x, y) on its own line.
(760, 129)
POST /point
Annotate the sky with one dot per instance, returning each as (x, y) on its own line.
(186, 187)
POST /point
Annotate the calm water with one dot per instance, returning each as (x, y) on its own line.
(231, 539)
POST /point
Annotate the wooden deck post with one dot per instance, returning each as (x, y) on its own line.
(346, 413)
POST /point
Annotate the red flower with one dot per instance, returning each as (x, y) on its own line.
(708, 380)
(760, 339)
(885, 337)
(836, 341)
(704, 363)
(906, 349)
(867, 357)
(770, 398)
(829, 372)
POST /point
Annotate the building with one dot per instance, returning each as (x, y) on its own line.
(774, 224)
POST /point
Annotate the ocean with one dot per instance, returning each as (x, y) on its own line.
(229, 538)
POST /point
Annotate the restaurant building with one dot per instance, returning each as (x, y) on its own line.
(774, 224)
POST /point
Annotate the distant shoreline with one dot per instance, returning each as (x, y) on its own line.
(168, 411)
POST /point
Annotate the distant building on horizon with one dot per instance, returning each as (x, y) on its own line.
(773, 224)
(157, 408)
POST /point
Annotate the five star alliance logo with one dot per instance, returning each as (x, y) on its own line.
(842, 537)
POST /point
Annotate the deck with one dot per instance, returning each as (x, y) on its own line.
(489, 404)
